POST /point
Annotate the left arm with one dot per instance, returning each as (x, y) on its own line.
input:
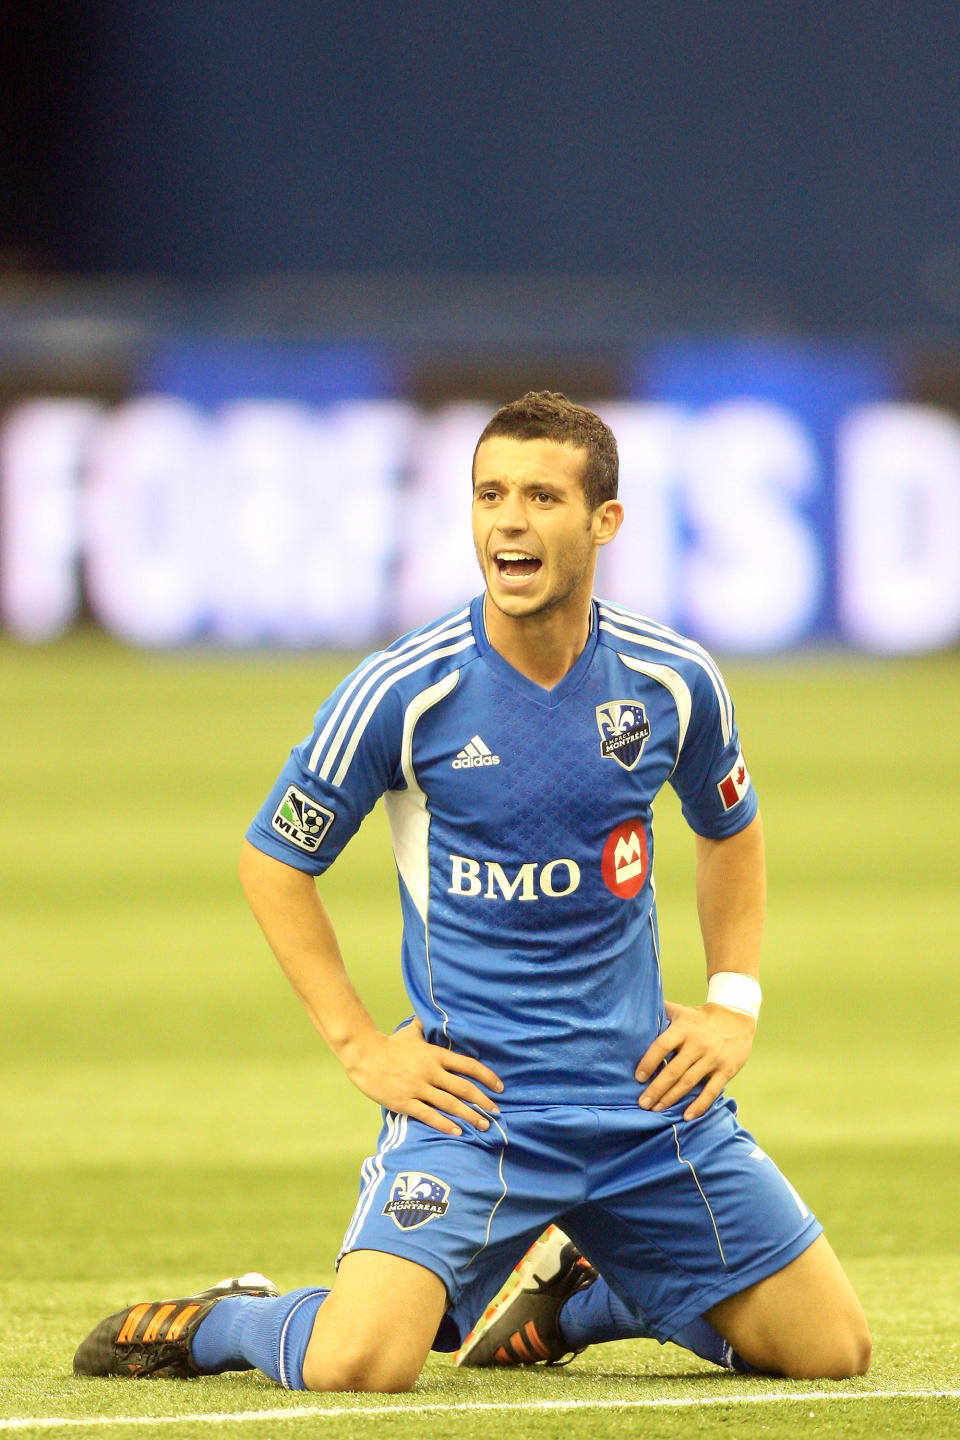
(712, 1042)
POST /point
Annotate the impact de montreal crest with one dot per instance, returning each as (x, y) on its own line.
(624, 730)
(416, 1198)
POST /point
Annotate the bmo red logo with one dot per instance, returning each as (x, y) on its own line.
(624, 863)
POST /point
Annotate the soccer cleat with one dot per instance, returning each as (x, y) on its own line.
(521, 1326)
(153, 1338)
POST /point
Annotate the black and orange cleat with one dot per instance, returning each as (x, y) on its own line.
(521, 1326)
(153, 1338)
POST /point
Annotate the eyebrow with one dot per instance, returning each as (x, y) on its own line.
(548, 484)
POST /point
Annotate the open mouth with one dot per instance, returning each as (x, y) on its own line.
(516, 564)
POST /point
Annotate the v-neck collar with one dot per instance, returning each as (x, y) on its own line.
(506, 672)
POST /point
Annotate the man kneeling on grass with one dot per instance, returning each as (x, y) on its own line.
(543, 1080)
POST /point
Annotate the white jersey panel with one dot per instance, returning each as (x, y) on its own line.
(407, 809)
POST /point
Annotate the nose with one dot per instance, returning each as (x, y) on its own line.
(512, 515)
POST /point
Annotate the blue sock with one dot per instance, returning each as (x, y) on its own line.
(243, 1332)
(596, 1314)
(593, 1315)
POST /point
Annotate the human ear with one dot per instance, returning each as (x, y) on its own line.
(607, 519)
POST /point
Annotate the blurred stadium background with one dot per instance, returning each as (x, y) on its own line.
(263, 275)
(264, 271)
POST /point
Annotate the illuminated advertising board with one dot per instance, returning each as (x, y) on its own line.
(775, 497)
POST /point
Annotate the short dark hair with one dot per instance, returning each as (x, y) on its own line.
(549, 415)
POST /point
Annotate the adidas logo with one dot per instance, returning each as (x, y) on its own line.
(474, 754)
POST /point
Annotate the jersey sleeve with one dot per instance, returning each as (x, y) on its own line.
(334, 777)
(710, 777)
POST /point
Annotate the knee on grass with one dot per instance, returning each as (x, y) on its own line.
(839, 1353)
(849, 1355)
(359, 1370)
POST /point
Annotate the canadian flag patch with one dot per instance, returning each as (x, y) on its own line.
(734, 786)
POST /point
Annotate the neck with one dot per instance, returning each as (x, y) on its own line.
(543, 647)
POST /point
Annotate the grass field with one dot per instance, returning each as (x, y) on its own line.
(166, 1115)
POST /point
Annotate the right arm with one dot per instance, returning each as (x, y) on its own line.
(401, 1072)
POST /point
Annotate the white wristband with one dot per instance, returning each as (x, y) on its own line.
(735, 991)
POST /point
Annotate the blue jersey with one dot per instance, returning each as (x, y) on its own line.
(521, 827)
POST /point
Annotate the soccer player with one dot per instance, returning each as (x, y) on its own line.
(519, 744)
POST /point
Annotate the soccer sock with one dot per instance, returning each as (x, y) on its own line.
(596, 1314)
(244, 1332)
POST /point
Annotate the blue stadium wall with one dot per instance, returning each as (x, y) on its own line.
(808, 150)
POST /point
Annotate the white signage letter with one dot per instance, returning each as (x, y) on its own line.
(149, 531)
(898, 522)
(639, 568)
(753, 578)
(40, 456)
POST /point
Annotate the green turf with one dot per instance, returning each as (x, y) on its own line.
(150, 1051)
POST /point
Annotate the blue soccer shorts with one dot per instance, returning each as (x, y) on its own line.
(676, 1216)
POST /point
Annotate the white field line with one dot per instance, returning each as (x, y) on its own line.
(333, 1412)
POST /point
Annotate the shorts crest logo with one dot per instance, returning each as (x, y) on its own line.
(302, 820)
(416, 1198)
(624, 730)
